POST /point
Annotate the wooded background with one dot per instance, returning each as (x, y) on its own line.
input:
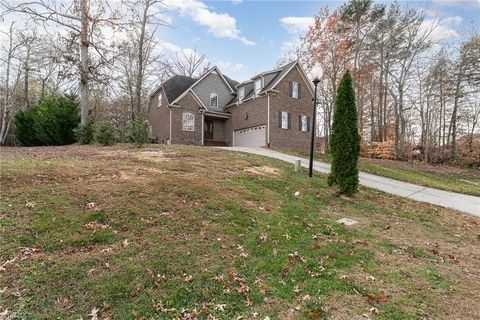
(417, 97)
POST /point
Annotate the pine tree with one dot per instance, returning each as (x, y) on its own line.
(345, 139)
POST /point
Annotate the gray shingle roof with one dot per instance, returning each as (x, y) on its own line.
(279, 75)
(177, 85)
(231, 82)
(249, 86)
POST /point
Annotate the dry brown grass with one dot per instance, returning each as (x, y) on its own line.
(182, 211)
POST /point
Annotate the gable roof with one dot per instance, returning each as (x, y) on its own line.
(280, 73)
(214, 68)
(231, 82)
(175, 86)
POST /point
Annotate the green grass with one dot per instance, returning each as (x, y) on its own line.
(467, 182)
(209, 239)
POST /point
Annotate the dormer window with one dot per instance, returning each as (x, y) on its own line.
(213, 100)
(258, 87)
(241, 94)
(160, 100)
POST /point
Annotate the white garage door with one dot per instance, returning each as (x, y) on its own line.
(250, 137)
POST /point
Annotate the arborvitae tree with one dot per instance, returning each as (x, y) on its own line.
(345, 139)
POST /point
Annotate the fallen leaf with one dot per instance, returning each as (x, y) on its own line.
(378, 297)
(30, 205)
(94, 314)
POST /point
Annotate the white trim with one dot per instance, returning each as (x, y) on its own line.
(255, 94)
(156, 90)
(217, 114)
(197, 98)
(306, 80)
(213, 95)
(284, 113)
(203, 132)
(294, 90)
(265, 73)
(302, 73)
(284, 75)
(268, 120)
(186, 128)
(170, 139)
(200, 79)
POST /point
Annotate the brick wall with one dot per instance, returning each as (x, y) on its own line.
(290, 138)
(159, 118)
(187, 104)
(256, 111)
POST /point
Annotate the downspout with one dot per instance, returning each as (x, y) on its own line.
(170, 139)
(268, 119)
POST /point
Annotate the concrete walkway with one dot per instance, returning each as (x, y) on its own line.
(457, 201)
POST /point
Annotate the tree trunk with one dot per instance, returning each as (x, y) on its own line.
(26, 101)
(84, 61)
(140, 58)
(6, 98)
(453, 121)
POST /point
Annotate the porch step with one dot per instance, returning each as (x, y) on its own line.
(215, 143)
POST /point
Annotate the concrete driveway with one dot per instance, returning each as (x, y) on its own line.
(461, 202)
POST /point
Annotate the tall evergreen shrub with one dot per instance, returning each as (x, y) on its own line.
(345, 139)
(105, 133)
(139, 132)
(50, 122)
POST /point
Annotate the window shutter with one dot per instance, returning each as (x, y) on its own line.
(290, 88)
(299, 122)
(279, 119)
(308, 123)
(289, 120)
(299, 91)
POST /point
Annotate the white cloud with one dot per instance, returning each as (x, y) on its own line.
(221, 25)
(460, 3)
(236, 1)
(296, 24)
(229, 66)
(445, 28)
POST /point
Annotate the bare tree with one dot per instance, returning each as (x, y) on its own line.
(80, 21)
(188, 63)
(13, 46)
(467, 73)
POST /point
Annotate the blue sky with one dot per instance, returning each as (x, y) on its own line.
(247, 37)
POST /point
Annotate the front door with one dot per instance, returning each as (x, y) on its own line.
(208, 129)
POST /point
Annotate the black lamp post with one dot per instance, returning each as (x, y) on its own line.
(315, 81)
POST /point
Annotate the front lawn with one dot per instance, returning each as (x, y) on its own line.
(178, 232)
(444, 177)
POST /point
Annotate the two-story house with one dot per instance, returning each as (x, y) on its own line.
(272, 108)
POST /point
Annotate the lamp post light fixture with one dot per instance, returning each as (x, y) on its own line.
(317, 74)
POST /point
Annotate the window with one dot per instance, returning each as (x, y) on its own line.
(188, 121)
(160, 100)
(241, 94)
(284, 120)
(213, 100)
(258, 87)
(304, 123)
(295, 90)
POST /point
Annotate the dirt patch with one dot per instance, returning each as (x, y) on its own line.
(263, 171)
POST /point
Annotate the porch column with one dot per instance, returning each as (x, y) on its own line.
(203, 132)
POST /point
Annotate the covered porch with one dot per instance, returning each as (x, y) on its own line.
(214, 128)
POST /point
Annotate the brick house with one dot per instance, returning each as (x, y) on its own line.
(272, 108)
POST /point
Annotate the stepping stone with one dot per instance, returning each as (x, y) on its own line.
(347, 222)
